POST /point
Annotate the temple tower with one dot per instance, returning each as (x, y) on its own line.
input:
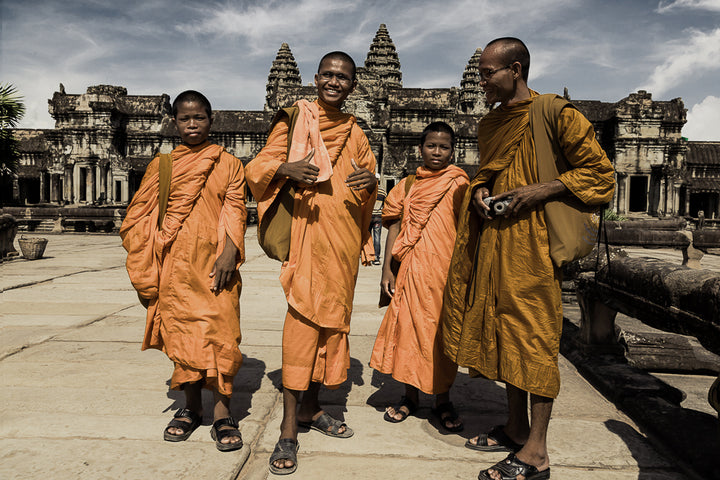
(283, 73)
(472, 99)
(382, 59)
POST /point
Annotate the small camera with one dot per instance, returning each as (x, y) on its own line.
(497, 207)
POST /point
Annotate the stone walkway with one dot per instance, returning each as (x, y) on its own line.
(81, 401)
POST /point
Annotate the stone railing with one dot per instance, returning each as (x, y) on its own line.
(665, 296)
(666, 233)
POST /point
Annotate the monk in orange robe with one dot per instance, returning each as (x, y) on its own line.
(331, 167)
(502, 316)
(185, 270)
(421, 235)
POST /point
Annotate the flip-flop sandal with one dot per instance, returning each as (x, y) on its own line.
(446, 414)
(512, 467)
(187, 427)
(218, 435)
(329, 426)
(285, 449)
(503, 442)
(404, 402)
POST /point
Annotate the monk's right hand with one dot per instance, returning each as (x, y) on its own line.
(480, 207)
(303, 172)
(387, 283)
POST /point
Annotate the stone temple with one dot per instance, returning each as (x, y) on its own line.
(104, 138)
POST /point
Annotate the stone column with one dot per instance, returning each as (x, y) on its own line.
(43, 180)
(661, 201)
(90, 181)
(621, 200)
(53, 188)
(687, 202)
(76, 184)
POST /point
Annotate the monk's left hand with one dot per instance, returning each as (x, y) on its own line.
(224, 267)
(361, 178)
(529, 196)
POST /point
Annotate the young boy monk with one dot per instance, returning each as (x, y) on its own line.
(184, 267)
(421, 233)
(330, 167)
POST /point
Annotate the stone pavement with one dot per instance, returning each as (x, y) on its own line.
(81, 401)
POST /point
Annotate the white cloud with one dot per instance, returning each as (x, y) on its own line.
(712, 5)
(264, 23)
(703, 120)
(685, 59)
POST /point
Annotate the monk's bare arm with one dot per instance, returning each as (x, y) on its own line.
(224, 266)
(387, 282)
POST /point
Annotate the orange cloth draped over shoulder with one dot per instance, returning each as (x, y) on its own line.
(330, 227)
(197, 329)
(408, 342)
(502, 316)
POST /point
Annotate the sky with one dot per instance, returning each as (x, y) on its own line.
(598, 49)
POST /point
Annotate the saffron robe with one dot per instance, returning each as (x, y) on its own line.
(330, 227)
(502, 316)
(197, 329)
(408, 342)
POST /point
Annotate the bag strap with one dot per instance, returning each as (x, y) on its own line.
(408, 183)
(164, 187)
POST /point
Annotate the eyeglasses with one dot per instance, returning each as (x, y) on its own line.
(485, 75)
(328, 76)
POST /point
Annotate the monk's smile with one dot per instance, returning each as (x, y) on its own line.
(334, 81)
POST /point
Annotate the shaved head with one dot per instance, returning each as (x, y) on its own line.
(337, 55)
(513, 50)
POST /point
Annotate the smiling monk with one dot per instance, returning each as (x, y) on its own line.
(183, 255)
(331, 171)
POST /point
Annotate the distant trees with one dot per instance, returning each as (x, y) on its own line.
(12, 110)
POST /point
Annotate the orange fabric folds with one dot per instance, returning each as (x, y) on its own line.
(503, 316)
(198, 330)
(408, 343)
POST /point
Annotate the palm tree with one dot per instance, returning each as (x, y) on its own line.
(12, 110)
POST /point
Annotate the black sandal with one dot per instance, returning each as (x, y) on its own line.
(503, 443)
(186, 427)
(285, 449)
(446, 414)
(512, 467)
(218, 435)
(404, 402)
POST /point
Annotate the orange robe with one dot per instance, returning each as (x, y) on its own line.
(408, 341)
(503, 314)
(330, 227)
(197, 329)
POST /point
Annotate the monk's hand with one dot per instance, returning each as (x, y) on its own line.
(530, 196)
(303, 172)
(387, 282)
(481, 207)
(224, 267)
(361, 178)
